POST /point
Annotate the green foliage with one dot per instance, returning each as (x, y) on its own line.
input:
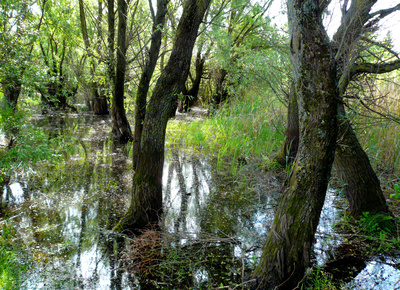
(26, 144)
(317, 279)
(247, 127)
(373, 225)
(11, 269)
(396, 194)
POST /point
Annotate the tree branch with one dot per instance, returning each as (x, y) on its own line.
(385, 12)
(374, 68)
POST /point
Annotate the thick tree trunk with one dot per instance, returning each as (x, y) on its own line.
(119, 120)
(291, 145)
(144, 83)
(362, 186)
(286, 253)
(146, 203)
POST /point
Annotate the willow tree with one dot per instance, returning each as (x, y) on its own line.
(287, 250)
(18, 32)
(350, 42)
(147, 73)
(120, 122)
(146, 202)
(99, 100)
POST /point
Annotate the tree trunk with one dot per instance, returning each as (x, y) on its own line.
(100, 104)
(191, 95)
(119, 120)
(144, 83)
(220, 94)
(291, 145)
(286, 253)
(12, 89)
(146, 203)
(362, 186)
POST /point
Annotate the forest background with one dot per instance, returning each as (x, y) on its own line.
(77, 56)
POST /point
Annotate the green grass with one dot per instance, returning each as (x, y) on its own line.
(248, 127)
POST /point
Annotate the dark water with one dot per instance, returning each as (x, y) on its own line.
(214, 225)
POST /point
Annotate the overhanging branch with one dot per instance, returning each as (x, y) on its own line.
(374, 68)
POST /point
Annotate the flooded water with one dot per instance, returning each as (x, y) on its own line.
(213, 225)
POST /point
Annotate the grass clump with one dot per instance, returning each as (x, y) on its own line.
(250, 126)
(317, 279)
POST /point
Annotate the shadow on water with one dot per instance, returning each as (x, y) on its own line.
(214, 225)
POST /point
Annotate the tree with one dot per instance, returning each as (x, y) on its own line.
(244, 19)
(147, 73)
(362, 187)
(18, 36)
(120, 122)
(286, 253)
(146, 202)
(100, 105)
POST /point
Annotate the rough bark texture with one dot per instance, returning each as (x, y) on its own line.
(362, 186)
(361, 183)
(291, 145)
(146, 203)
(120, 122)
(144, 83)
(286, 253)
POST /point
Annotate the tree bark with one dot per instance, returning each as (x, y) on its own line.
(191, 95)
(148, 70)
(120, 122)
(362, 186)
(291, 145)
(146, 203)
(286, 253)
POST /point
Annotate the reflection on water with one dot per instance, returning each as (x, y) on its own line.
(65, 212)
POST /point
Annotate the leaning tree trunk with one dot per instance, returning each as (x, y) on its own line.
(291, 145)
(362, 186)
(146, 203)
(144, 83)
(120, 122)
(286, 253)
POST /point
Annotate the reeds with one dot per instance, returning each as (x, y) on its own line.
(250, 126)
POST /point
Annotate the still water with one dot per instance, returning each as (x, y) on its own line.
(214, 225)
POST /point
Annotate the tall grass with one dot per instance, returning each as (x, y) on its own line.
(251, 126)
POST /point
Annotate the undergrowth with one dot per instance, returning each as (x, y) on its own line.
(25, 144)
(249, 126)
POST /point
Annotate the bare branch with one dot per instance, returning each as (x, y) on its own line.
(385, 12)
(381, 45)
